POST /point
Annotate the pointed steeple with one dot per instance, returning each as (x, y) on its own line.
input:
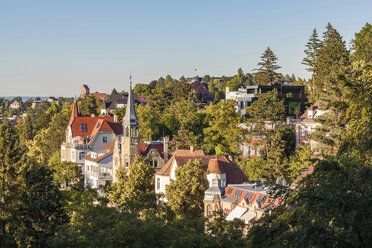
(75, 110)
(130, 119)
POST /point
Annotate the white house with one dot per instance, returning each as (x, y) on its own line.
(98, 166)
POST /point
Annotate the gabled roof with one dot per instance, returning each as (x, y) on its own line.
(103, 125)
(145, 148)
(314, 108)
(101, 96)
(109, 147)
(76, 122)
(220, 165)
(115, 99)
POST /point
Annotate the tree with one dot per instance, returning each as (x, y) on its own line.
(362, 44)
(226, 233)
(224, 133)
(185, 194)
(65, 174)
(302, 158)
(267, 108)
(332, 60)
(39, 211)
(255, 168)
(90, 105)
(266, 72)
(26, 129)
(330, 208)
(148, 122)
(120, 112)
(135, 190)
(10, 154)
(312, 49)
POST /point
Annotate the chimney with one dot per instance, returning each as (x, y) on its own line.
(191, 148)
(115, 118)
(165, 148)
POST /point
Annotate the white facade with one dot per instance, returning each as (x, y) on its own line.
(98, 173)
(242, 97)
(102, 138)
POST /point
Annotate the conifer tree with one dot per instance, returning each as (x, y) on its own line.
(312, 50)
(332, 60)
(362, 44)
(10, 154)
(266, 72)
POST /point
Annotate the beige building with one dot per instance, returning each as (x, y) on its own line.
(128, 145)
(84, 91)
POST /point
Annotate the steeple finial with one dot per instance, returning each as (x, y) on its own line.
(130, 118)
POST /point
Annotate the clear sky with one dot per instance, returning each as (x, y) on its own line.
(51, 47)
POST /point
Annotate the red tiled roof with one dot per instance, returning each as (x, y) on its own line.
(234, 175)
(90, 123)
(253, 196)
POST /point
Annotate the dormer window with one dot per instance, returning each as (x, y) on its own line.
(83, 128)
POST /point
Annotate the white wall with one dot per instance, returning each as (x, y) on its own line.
(98, 141)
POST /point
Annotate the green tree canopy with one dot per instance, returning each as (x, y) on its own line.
(185, 194)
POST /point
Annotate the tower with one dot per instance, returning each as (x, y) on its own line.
(128, 144)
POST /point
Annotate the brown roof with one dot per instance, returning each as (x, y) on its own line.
(234, 175)
(109, 146)
(103, 125)
(313, 107)
(145, 148)
(101, 96)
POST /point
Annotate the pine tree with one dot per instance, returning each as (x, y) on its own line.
(331, 64)
(10, 154)
(266, 72)
(313, 46)
(362, 44)
(332, 60)
(312, 49)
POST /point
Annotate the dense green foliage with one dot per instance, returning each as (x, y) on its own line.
(185, 195)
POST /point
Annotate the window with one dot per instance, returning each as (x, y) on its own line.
(157, 183)
(104, 139)
(156, 163)
(126, 163)
(83, 128)
(209, 211)
(309, 130)
(81, 155)
(303, 131)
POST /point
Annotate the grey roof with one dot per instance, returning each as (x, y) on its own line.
(229, 199)
(130, 117)
(213, 191)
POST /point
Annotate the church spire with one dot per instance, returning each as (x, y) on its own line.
(130, 119)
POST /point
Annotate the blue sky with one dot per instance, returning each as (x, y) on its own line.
(51, 47)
